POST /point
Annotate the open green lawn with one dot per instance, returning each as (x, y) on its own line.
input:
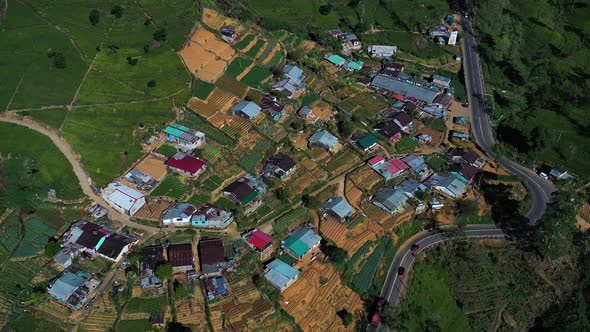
(26, 40)
(295, 13)
(430, 297)
(35, 322)
(201, 89)
(115, 129)
(53, 117)
(154, 304)
(255, 76)
(166, 150)
(52, 169)
(138, 325)
(406, 144)
(176, 16)
(171, 187)
(237, 67)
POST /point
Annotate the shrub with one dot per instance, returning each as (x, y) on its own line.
(160, 34)
(326, 9)
(151, 84)
(94, 16)
(117, 11)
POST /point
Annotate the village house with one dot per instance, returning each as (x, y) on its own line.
(388, 169)
(179, 215)
(441, 81)
(336, 60)
(323, 139)
(279, 166)
(306, 112)
(382, 51)
(466, 156)
(273, 107)
(460, 120)
(292, 82)
(123, 199)
(246, 109)
(115, 246)
(448, 185)
(418, 166)
(366, 141)
(158, 319)
(184, 138)
(435, 111)
(301, 241)
(338, 207)
(185, 164)
(390, 200)
(228, 33)
(212, 256)
(280, 274)
(443, 100)
(464, 172)
(392, 69)
(459, 135)
(73, 288)
(560, 172)
(260, 242)
(141, 180)
(404, 88)
(216, 288)
(245, 190)
(440, 34)
(411, 187)
(210, 216)
(181, 257)
(150, 258)
(403, 120)
(389, 129)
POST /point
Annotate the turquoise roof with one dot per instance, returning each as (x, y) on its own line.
(356, 65)
(283, 268)
(296, 246)
(335, 59)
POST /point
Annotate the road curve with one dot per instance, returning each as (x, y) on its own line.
(393, 286)
(79, 171)
(539, 188)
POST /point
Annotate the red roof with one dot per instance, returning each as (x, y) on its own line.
(396, 165)
(259, 239)
(375, 160)
(187, 163)
(397, 96)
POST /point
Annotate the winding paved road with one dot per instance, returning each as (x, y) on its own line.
(481, 127)
(81, 174)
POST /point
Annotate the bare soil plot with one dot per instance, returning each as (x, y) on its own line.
(218, 101)
(365, 178)
(206, 56)
(322, 110)
(153, 167)
(102, 317)
(153, 210)
(314, 300)
(352, 193)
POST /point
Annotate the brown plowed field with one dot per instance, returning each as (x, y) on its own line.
(314, 305)
(153, 167)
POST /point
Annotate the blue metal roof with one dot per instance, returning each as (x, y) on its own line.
(280, 273)
(441, 78)
(323, 137)
(339, 206)
(247, 107)
(407, 89)
(392, 199)
(294, 72)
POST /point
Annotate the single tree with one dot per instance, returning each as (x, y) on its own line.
(151, 84)
(345, 316)
(52, 248)
(94, 16)
(160, 34)
(326, 9)
(164, 271)
(311, 202)
(555, 231)
(117, 11)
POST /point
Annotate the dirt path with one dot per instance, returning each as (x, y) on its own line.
(3, 11)
(83, 177)
(17, 86)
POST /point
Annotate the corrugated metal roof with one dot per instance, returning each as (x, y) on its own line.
(335, 59)
(323, 137)
(406, 89)
(247, 107)
(339, 206)
(283, 268)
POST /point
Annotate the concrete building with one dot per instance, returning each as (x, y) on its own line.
(123, 199)
(280, 274)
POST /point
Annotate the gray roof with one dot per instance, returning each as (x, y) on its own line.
(280, 273)
(391, 198)
(306, 235)
(339, 206)
(182, 210)
(67, 284)
(247, 107)
(407, 89)
(323, 137)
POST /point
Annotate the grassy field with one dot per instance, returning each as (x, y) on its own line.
(53, 171)
(430, 298)
(201, 89)
(115, 129)
(237, 67)
(171, 187)
(406, 145)
(255, 76)
(296, 14)
(211, 132)
(255, 49)
(53, 118)
(35, 322)
(134, 325)
(176, 16)
(166, 150)
(136, 305)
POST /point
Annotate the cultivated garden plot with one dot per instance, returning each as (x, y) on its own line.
(206, 56)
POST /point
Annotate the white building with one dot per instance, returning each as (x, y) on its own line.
(382, 51)
(123, 199)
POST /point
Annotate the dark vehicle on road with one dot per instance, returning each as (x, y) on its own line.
(376, 319)
(401, 271)
(415, 247)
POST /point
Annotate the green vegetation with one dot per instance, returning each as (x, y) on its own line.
(255, 76)
(171, 187)
(138, 325)
(177, 17)
(202, 89)
(245, 42)
(282, 223)
(534, 59)
(310, 98)
(556, 229)
(35, 238)
(115, 129)
(237, 67)
(363, 280)
(436, 124)
(211, 183)
(211, 132)
(255, 49)
(166, 150)
(225, 204)
(30, 322)
(154, 304)
(53, 118)
(406, 144)
(429, 302)
(436, 162)
(36, 166)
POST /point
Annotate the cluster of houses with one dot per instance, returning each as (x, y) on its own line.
(413, 176)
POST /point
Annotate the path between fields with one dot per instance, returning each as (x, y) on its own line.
(83, 177)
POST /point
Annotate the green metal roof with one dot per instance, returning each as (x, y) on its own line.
(249, 198)
(356, 65)
(368, 141)
(297, 246)
(336, 59)
(176, 129)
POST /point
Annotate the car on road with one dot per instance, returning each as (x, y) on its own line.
(376, 319)
(415, 247)
(401, 271)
